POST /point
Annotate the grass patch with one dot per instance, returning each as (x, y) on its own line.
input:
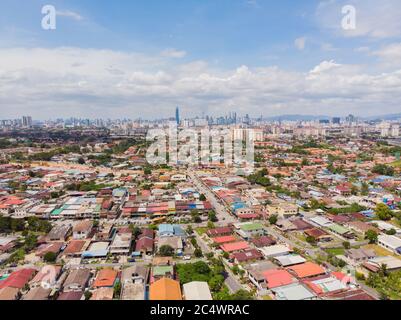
(379, 250)
(396, 164)
(336, 251)
(201, 231)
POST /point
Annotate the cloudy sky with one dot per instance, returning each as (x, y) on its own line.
(142, 58)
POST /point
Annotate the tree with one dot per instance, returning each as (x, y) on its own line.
(31, 242)
(383, 212)
(195, 216)
(81, 160)
(212, 216)
(383, 270)
(242, 295)
(190, 230)
(166, 251)
(198, 253)
(216, 282)
(383, 170)
(135, 230)
(117, 290)
(202, 197)
(391, 232)
(147, 171)
(311, 240)
(273, 219)
(347, 245)
(372, 236)
(50, 257)
(87, 295)
(210, 225)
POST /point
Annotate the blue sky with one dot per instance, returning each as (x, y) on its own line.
(209, 40)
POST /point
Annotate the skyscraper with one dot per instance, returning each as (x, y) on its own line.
(27, 121)
(177, 116)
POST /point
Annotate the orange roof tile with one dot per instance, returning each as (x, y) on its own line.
(165, 289)
(307, 269)
(105, 278)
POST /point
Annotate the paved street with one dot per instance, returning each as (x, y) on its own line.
(222, 213)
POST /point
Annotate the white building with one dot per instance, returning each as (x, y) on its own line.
(391, 243)
(197, 290)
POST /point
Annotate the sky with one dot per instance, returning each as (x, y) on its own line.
(142, 58)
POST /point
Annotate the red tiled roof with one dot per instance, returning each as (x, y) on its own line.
(74, 246)
(247, 255)
(236, 246)
(18, 279)
(277, 278)
(105, 278)
(225, 239)
(306, 270)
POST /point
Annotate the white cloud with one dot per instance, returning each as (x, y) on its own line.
(173, 53)
(65, 82)
(374, 19)
(300, 43)
(390, 55)
(70, 14)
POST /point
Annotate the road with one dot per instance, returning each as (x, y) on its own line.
(221, 211)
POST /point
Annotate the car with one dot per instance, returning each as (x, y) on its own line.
(187, 258)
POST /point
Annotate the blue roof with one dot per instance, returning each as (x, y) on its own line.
(94, 254)
(166, 228)
(238, 205)
(178, 231)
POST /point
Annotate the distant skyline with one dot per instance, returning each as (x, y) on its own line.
(140, 59)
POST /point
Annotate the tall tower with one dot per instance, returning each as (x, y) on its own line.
(177, 116)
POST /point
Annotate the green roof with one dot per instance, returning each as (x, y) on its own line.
(252, 226)
(338, 229)
(162, 270)
(57, 212)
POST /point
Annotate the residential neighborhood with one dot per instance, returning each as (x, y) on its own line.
(314, 220)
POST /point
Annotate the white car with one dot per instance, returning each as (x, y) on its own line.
(187, 258)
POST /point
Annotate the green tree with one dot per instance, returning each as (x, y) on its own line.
(273, 219)
(190, 230)
(135, 230)
(383, 170)
(383, 212)
(242, 295)
(347, 245)
(198, 253)
(117, 290)
(202, 197)
(50, 257)
(212, 216)
(166, 251)
(372, 236)
(311, 240)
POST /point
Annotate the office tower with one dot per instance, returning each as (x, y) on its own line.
(351, 119)
(27, 121)
(177, 116)
(336, 120)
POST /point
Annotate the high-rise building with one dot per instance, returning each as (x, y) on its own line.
(336, 120)
(351, 118)
(177, 116)
(27, 121)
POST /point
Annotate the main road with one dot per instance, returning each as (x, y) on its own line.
(221, 211)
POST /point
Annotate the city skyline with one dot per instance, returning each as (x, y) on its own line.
(255, 57)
